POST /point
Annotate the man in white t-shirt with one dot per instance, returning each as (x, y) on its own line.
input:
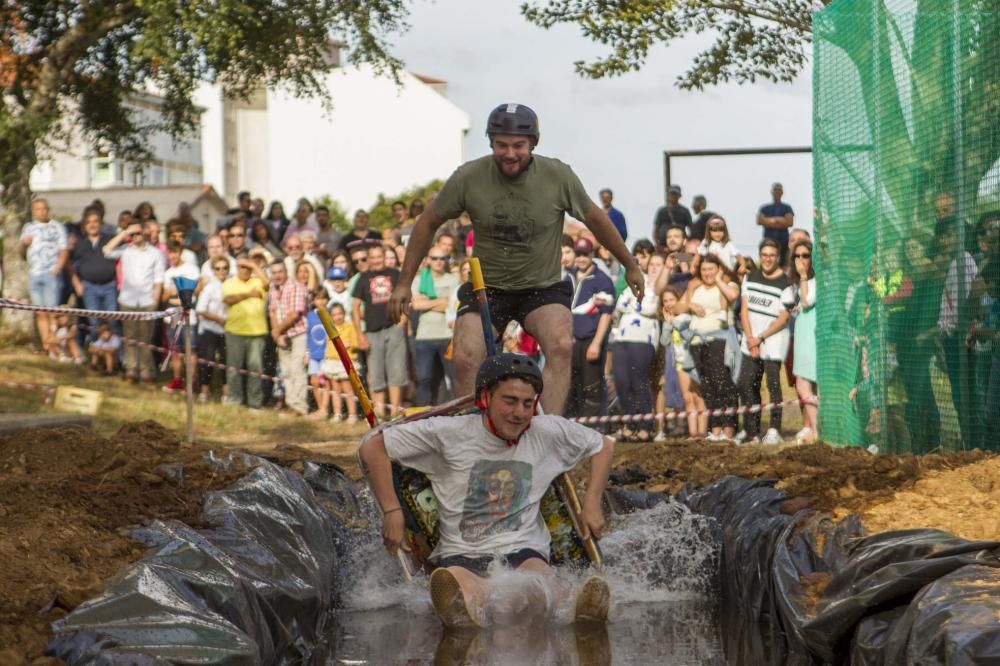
(489, 471)
(765, 340)
(45, 245)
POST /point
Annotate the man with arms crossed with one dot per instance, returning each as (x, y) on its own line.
(489, 471)
(517, 201)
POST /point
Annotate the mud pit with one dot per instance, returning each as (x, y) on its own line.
(68, 497)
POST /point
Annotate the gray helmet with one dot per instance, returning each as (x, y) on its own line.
(507, 366)
(515, 119)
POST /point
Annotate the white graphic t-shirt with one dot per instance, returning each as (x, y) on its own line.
(488, 493)
(764, 304)
(48, 239)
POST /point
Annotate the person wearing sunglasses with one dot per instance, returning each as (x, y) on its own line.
(237, 239)
(801, 294)
(432, 292)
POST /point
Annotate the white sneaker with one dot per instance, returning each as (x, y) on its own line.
(714, 437)
(741, 437)
(660, 437)
(337, 418)
(804, 435)
(753, 441)
(772, 437)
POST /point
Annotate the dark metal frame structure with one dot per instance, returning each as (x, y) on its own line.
(723, 152)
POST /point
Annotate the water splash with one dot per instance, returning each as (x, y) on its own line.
(660, 563)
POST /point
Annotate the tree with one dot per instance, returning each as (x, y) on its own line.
(72, 64)
(380, 214)
(762, 40)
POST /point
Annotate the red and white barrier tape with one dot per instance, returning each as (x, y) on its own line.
(48, 389)
(95, 314)
(214, 364)
(672, 416)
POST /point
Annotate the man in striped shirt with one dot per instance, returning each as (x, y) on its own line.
(288, 304)
(765, 340)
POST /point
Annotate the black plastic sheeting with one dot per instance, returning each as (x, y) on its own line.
(254, 589)
(798, 589)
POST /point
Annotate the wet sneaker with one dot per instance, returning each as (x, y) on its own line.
(175, 386)
(772, 437)
(448, 600)
(593, 601)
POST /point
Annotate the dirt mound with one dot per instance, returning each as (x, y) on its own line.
(67, 498)
(963, 501)
(835, 479)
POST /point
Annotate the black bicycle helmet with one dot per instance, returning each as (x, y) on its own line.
(506, 366)
(515, 119)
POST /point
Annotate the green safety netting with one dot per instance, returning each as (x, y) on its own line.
(906, 143)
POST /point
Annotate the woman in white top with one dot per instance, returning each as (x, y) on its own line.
(633, 349)
(708, 299)
(717, 242)
(212, 312)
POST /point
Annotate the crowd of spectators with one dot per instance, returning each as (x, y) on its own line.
(712, 327)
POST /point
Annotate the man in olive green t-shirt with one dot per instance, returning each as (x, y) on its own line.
(518, 202)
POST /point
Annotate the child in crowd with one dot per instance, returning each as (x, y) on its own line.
(334, 370)
(104, 350)
(327, 374)
(316, 345)
(336, 288)
(678, 364)
(717, 242)
(62, 341)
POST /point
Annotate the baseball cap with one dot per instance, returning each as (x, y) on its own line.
(336, 273)
(583, 245)
(674, 189)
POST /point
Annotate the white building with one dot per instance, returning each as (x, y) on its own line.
(379, 137)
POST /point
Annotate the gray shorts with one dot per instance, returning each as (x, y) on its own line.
(387, 358)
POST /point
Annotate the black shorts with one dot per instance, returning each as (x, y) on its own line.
(480, 565)
(514, 304)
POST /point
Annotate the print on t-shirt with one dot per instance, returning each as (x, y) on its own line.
(496, 497)
(380, 288)
(510, 221)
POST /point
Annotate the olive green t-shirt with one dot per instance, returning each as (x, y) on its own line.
(518, 222)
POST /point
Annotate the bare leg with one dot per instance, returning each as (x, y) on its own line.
(807, 393)
(319, 394)
(470, 352)
(42, 321)
(552, 326)
(378, 403)
(344, 388)
(395, 400)
(336, 397)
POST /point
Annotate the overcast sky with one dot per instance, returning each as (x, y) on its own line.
(613, 132)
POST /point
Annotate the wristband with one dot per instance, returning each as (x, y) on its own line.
(386, 513)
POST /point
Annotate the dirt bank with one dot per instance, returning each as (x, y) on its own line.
(68, 497)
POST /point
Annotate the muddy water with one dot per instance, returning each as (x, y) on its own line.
(660, 565)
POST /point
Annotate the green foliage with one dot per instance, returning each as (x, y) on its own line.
(339, 218)
(762, 40)
(380, 215)
(86, 59)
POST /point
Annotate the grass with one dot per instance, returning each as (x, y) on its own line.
(214, 424)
